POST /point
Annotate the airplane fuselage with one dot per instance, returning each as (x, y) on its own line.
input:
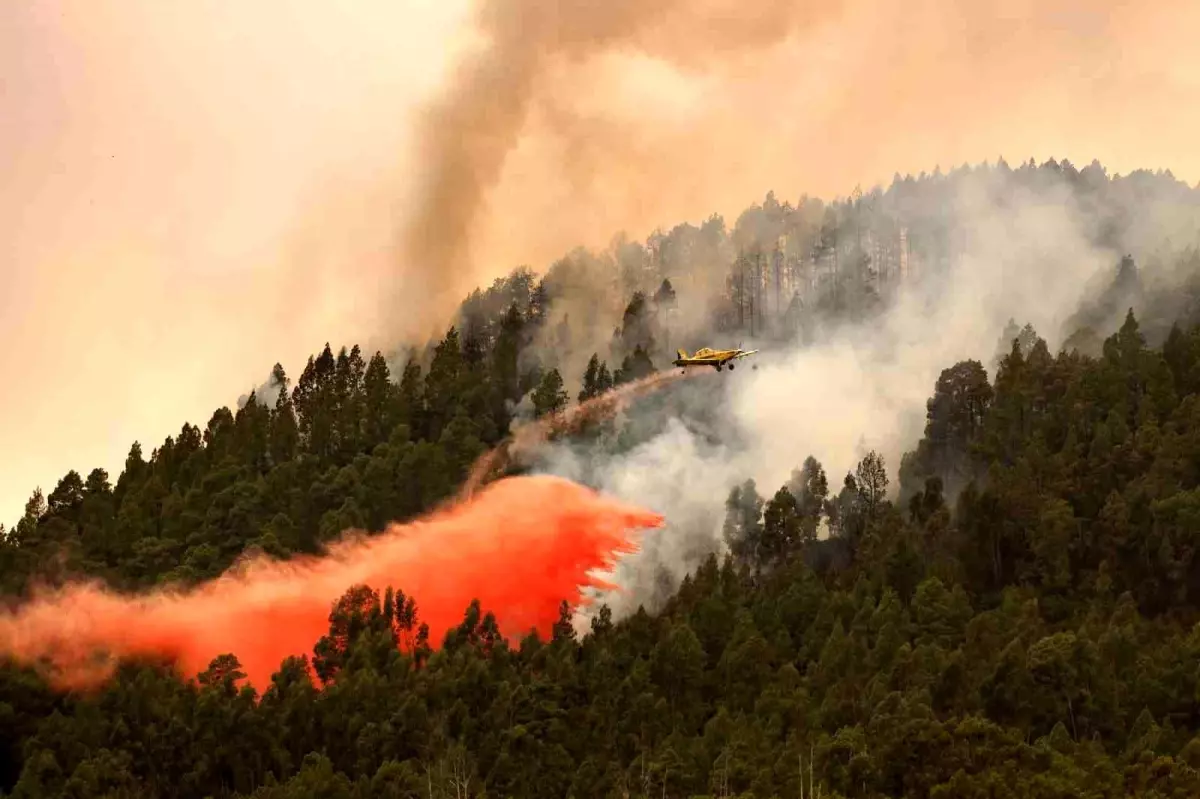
(717, 359)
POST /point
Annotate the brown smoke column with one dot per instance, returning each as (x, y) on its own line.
(467, 137)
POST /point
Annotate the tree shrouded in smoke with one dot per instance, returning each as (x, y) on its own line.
(957, 262)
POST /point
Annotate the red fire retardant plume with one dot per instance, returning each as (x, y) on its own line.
(521, 547)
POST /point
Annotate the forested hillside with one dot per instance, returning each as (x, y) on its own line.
(1016, 619)
(794, 270)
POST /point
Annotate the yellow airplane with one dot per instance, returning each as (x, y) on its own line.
(717, 359)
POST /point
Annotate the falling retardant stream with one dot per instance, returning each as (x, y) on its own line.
(527, 437)
(520, 545)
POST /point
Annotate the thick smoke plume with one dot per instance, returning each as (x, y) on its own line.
(469, 134)
(521, 547)
(570, 120)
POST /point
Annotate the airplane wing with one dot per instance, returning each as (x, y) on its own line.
(744, 354)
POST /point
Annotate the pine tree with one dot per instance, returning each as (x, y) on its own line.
(549, 397)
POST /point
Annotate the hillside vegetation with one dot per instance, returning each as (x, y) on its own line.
(1016, 619)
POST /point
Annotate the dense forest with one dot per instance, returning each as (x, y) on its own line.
(1015, 617)
(786, 271)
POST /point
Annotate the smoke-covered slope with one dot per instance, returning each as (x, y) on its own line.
(989, 586)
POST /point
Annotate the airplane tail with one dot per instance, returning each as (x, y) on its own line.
(682, 354)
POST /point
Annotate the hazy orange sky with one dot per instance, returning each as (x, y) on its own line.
(194, 191)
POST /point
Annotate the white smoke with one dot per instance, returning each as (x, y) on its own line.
(864, 389)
